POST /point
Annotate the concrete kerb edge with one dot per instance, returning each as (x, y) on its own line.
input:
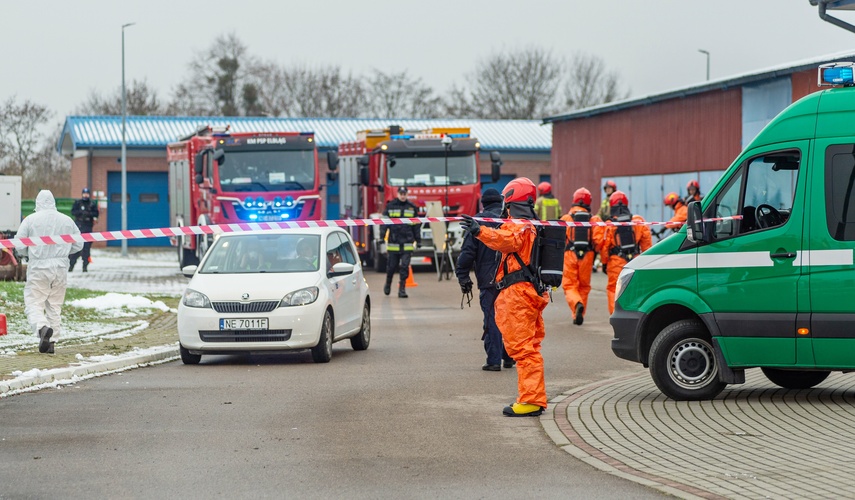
(73, 374)
(549, 423)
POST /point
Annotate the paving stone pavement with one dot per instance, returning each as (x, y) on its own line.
(755, 440)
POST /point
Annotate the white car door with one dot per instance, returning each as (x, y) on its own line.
(340, 286)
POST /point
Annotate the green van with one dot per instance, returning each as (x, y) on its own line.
(762, 274)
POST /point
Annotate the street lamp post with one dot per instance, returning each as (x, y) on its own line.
(702, 51)
(124, 148)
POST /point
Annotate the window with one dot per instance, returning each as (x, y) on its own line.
(347, 252)
(333, 250)
(761, 191)
(839, 184)
(148, 197)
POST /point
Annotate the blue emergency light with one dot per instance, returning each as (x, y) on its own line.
(259, 201)
(399, 137)
(289, 201)
(837, 74)
(248, 201)
(277, 202)
(253, 216)
(458, 136)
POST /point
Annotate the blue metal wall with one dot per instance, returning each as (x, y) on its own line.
(148, 204)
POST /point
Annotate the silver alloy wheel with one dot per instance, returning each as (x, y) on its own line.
(366, 325)
(691, 363)
(328, 341)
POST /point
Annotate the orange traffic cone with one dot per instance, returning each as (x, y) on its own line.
(411, 282)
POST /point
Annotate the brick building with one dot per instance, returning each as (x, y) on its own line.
(94, 145)
(656, 144)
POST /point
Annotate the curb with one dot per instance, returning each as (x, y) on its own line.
(72, 374)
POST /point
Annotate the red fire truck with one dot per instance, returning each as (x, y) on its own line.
(439, 165)
(218, 177)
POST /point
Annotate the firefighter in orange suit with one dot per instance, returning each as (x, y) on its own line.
(521, 300)
(681, 212)
(579, 254)
(620, 244)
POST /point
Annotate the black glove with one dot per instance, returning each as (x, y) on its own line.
(471, 225)
(466, 287)
(418, 244)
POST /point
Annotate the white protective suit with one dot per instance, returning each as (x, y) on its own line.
(47, 271)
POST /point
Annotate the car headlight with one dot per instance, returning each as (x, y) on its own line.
(192, 298)
(300, 297)
(623, 281)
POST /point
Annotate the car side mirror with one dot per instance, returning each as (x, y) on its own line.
(189, 271)
(332, 160)
(340, 269)
(695, 224)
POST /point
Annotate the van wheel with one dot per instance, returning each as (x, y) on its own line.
(682, 362)
(795, 379)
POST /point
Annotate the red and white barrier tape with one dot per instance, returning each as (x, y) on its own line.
(132, 234)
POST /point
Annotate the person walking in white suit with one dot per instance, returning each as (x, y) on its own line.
(47, 272)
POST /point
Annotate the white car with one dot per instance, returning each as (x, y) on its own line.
(278, 290)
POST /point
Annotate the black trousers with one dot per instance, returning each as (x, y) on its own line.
(83, 253)
(398, 261)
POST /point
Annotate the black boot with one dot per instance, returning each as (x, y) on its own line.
(402, 291)
(387, 288)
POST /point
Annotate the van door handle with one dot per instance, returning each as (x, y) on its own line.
(784, 255)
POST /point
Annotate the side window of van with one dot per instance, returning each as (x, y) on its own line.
(839, 187)
(761, 191)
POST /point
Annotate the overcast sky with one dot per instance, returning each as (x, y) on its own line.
(56, 51)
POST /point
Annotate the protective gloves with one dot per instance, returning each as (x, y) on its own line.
(466, 286)
(470, 225)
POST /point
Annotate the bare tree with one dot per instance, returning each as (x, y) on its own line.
(397, 95)
(589, 83)
(217, 80)
(519, 84)
(50, 170)
(19, 134)
(324, 92)
(141, 100)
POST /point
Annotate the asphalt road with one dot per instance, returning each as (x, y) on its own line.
(414, 416)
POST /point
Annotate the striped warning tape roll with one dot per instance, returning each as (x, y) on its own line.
(132, 234)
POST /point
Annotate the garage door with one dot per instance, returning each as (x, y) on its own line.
(148, 204)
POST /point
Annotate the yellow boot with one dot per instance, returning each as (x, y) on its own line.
(522, 410)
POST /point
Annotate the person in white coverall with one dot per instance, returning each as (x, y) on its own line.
(47, 271)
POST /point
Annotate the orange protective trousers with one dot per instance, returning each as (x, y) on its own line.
(615, 263)
(577, 279)
(519, 310)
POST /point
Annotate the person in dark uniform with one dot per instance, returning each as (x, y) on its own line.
(485, 261)
(403, 239)
(85, 213)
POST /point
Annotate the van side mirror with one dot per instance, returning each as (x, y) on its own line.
(332, 160)
(219, 156)
(695, 222)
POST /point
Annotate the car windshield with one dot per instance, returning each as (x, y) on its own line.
(430, 169)
(263, 253)
(267, 171)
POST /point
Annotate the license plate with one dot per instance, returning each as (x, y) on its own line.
(243, 324)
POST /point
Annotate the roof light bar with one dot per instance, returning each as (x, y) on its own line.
(836, 74)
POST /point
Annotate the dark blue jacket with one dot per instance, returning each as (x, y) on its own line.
(474, 254)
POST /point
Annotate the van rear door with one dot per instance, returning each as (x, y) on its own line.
(749, 273)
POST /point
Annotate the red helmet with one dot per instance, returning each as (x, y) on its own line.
(610, 184)
(618, 198)
(544, 188)
(520, 190)
(694, 184)
(582, 196)
(671, 199)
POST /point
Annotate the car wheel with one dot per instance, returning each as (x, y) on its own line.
(187, 357)
(683, 364)
(363, 338)
(322, 353)
(795, 379)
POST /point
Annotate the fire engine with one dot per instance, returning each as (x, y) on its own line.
(218, 177)
(436, 165)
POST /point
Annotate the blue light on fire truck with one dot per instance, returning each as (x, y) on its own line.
(837, 74)
(253, 216)
(248, 201)
(458, 136)
(259, 202)
(277, 202)
(289, 201)
(285, 215)
(404, 137)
